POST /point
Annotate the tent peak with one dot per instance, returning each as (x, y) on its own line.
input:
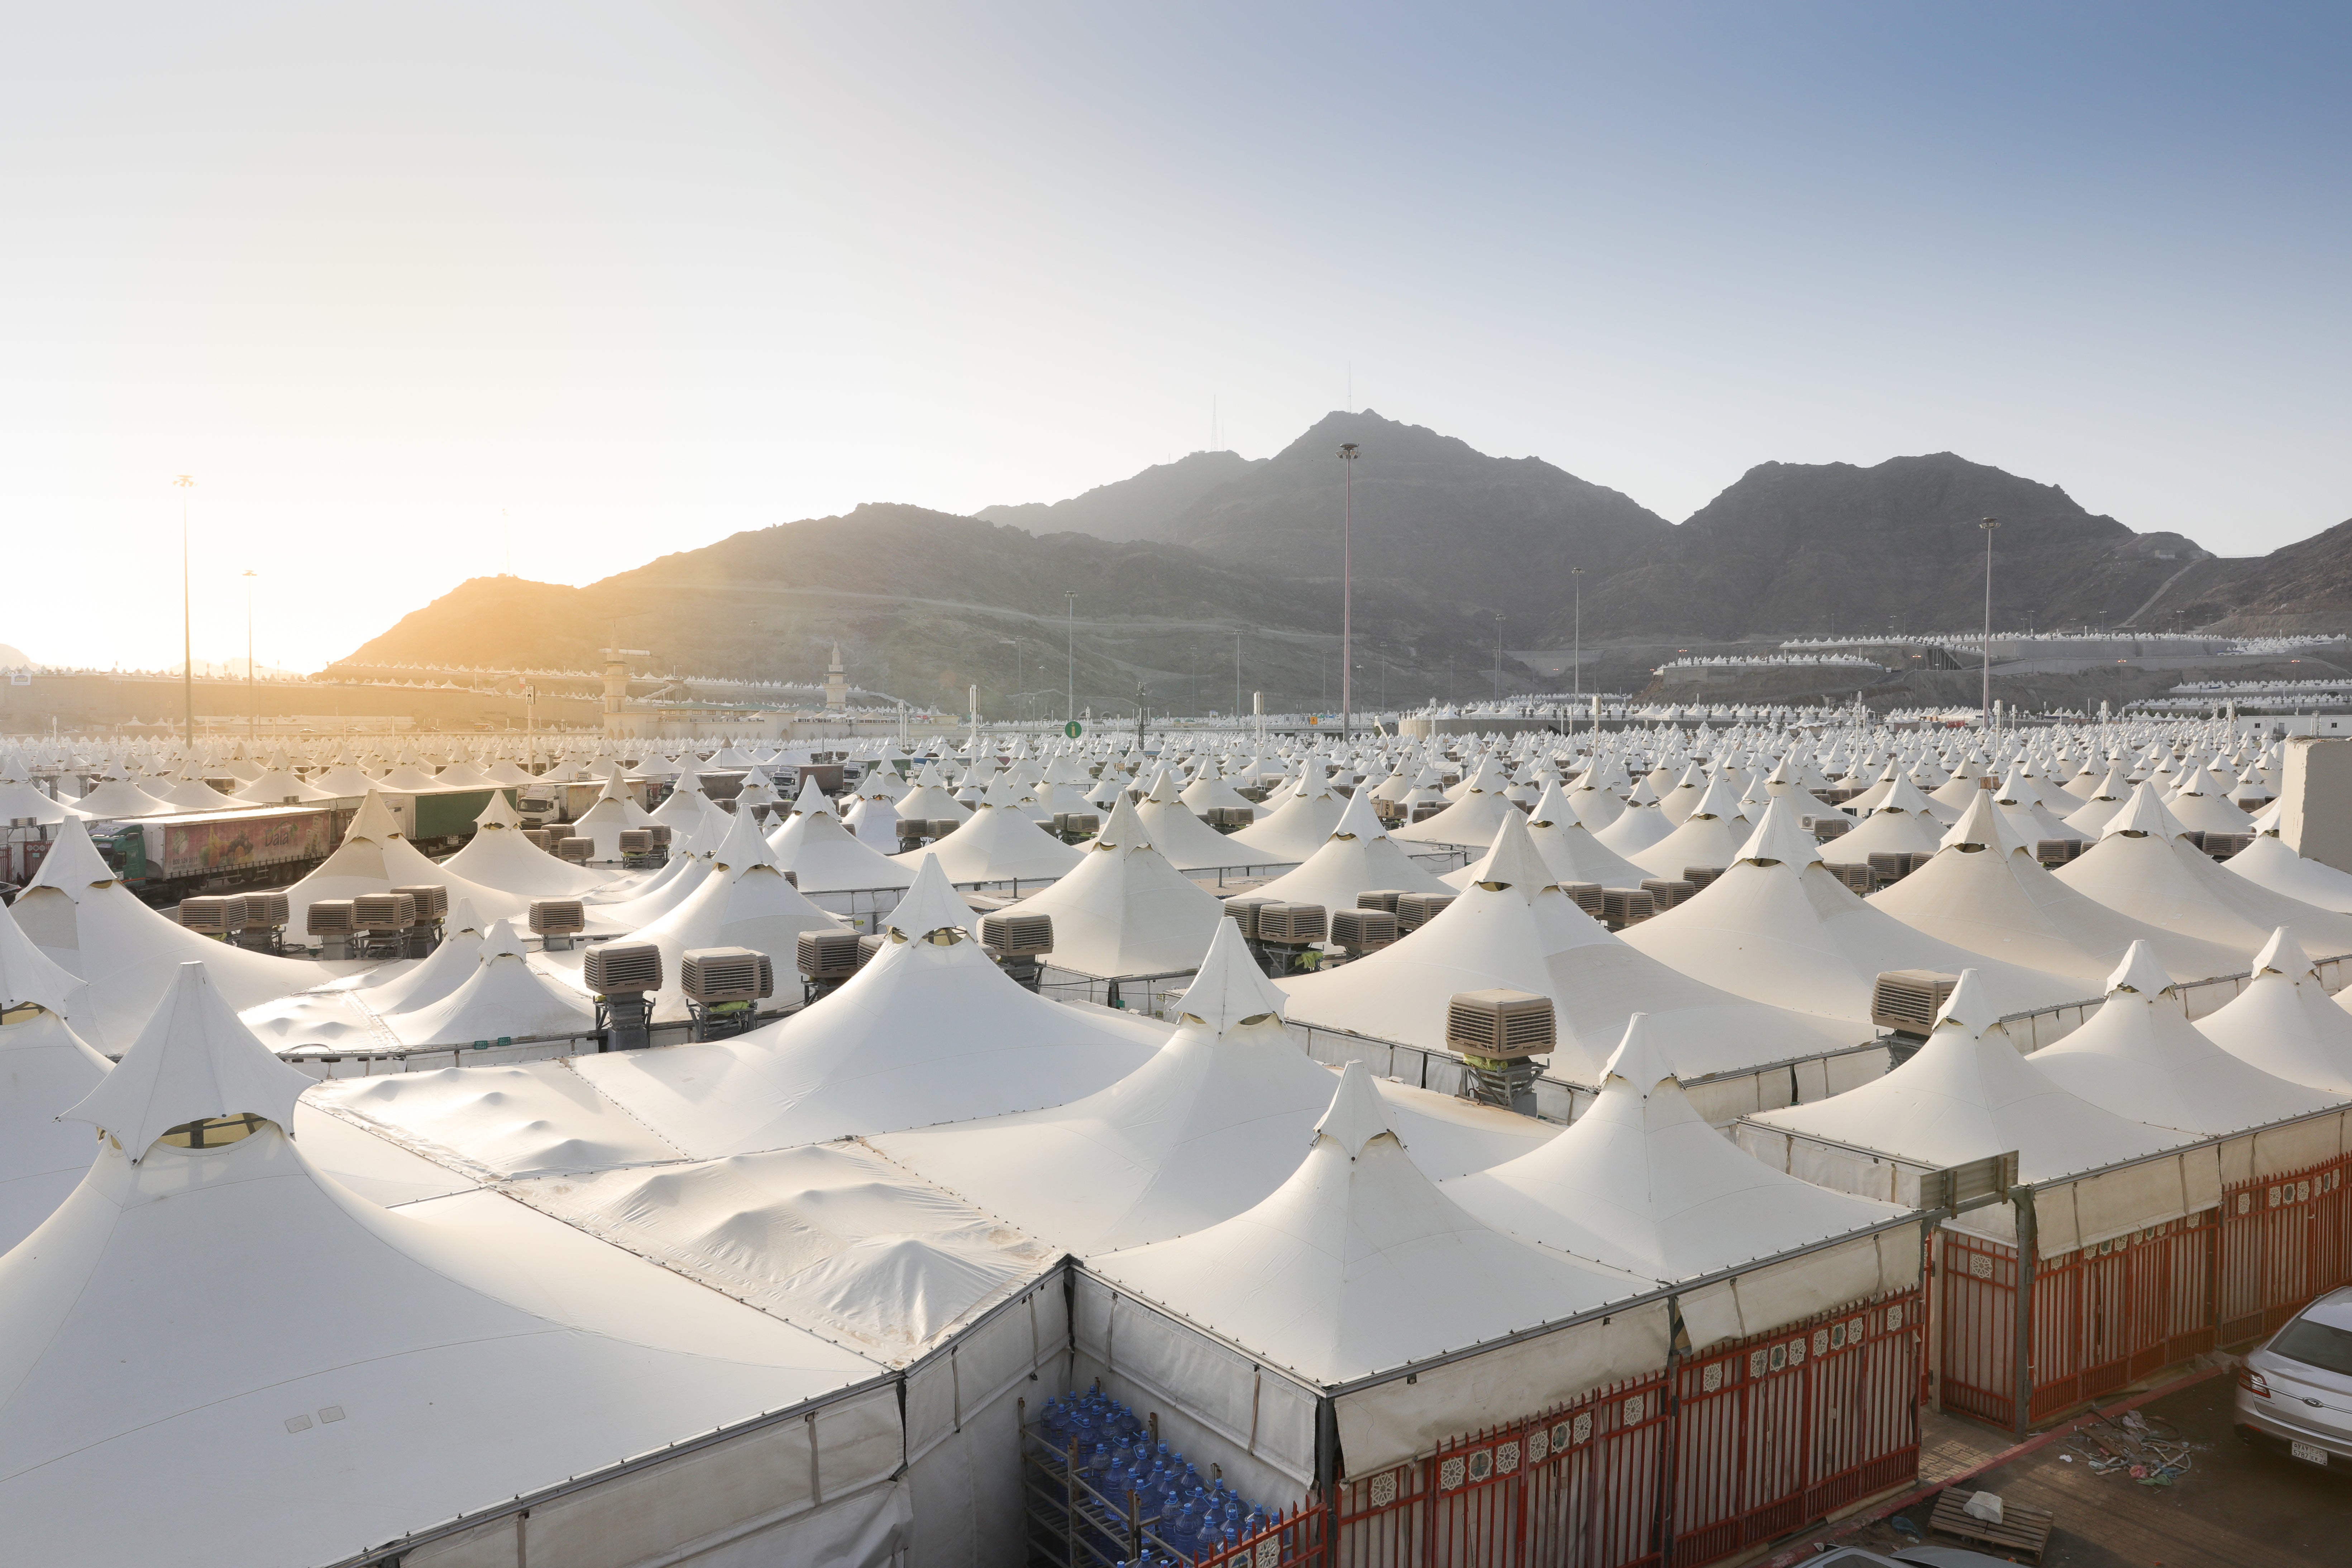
(1358, 1113)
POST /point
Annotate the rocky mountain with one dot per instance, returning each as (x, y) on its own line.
(925, 604)
(1823, 547)
(1433, 514)
(2306, 587)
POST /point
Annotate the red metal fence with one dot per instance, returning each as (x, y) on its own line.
(2106, 1316)
(1747, 1442)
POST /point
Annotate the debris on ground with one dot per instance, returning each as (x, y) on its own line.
(2152, 1453)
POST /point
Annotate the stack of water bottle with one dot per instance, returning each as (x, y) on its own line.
(1182, 1519)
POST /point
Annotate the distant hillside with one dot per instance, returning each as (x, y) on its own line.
(1433, 514)
(1814, 548)
(2306, 587)
(924, 605)
(1139, 508)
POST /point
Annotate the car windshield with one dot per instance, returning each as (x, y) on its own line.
(2316, 1345)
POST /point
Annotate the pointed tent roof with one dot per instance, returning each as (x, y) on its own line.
(2284, 1024)
(1207, 1126)
(1512, 927)
(1298, 825)
(1124, 910)
(2270, 864)
(1640, 1181)
(192, 1062)
(1000, 842)
(1778, 926)
(2139, 1056)
(1359, 857)
(1356, 1263)
(1969, 1094)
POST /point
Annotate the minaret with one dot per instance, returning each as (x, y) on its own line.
(836, 684)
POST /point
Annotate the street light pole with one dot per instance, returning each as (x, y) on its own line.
(252, 697)
(187, 635)
(1348, 594)
(1070, 643)
(1576, 647)
(1237, 677)
(1498, 656)
(1988, 524)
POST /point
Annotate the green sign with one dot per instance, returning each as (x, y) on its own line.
(1073, 729)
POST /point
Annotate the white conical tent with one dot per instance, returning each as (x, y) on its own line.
(1513, 928)
(1125, 909)
(1675, 804)
(743, 900)
(499, 857)
(1901, 824)
(1000, 844)
(1188, 843)
(191, 1313)
(2140, 1058)
(1210, 790)
(823, 856)
(929, 801)
(1710, 834)
(116, 799)
(374, 858)
(346, 1012)
(29, 977)
(615, 812)
(2284, 1024)
(1471, 820)
(1968, 1095)
(1569, 848)
(1638, 827)
(44, 1068)
(1777, 926)
(2140, 866)
(1359, 857)
(128, 955)
(504, 997)
(929, 1030)
(1642, 1183)
(1301, 821)
(2270, 864)
(1209, 1125)
(1357, 1263)
(1984, 891)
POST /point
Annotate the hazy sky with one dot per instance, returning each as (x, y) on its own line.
(421, 291)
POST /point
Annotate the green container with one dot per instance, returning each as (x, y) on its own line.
(450, 813)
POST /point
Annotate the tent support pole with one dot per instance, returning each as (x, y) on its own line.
(2027, 1246)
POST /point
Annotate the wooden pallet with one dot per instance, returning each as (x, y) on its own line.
(2022, 1531)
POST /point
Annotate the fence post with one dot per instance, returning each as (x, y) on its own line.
(1670, 1432)
(1327, 1472)
(2022, 1197)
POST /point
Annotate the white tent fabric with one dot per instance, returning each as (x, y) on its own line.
(1984, 891)
(499, 857)
(1514, 927)
(30, 977)
(1471, 820)
(614, 811)
(374, 858)
(1777, 926)
(311, 1335)
(1301, 821)
(929, 1031)
(1967, 1095)
(1000, 844)
(824, 856)
(1188, 843)
(1208, 1126)
(91, 925)
(1359, 857)
(503, 997)
(1710, 834)
(2269, 863)
(44, 1068)
(1901, 824)
(192, 1060)
(1570, 847)
(1638, 827)
(2141, 868)
(1640, 1182)
(741, 901)
(1357, 1263)
(1210, 790)
(1125, 909)
(828, 1234)
(2284, 1024)
(2140, 1058)
(119, 799)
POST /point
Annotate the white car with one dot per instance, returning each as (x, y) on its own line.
(2296, 1392)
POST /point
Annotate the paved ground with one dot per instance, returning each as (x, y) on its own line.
(2234, 1508)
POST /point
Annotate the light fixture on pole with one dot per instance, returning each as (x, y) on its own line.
(1070, 643)
(1348, 593)
(183, 484)
(1576, 646)
(252, 697)
(1988, 524)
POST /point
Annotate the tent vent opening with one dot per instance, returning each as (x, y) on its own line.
(214, 1132)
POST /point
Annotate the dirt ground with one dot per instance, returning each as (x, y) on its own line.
(2234, 1507)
